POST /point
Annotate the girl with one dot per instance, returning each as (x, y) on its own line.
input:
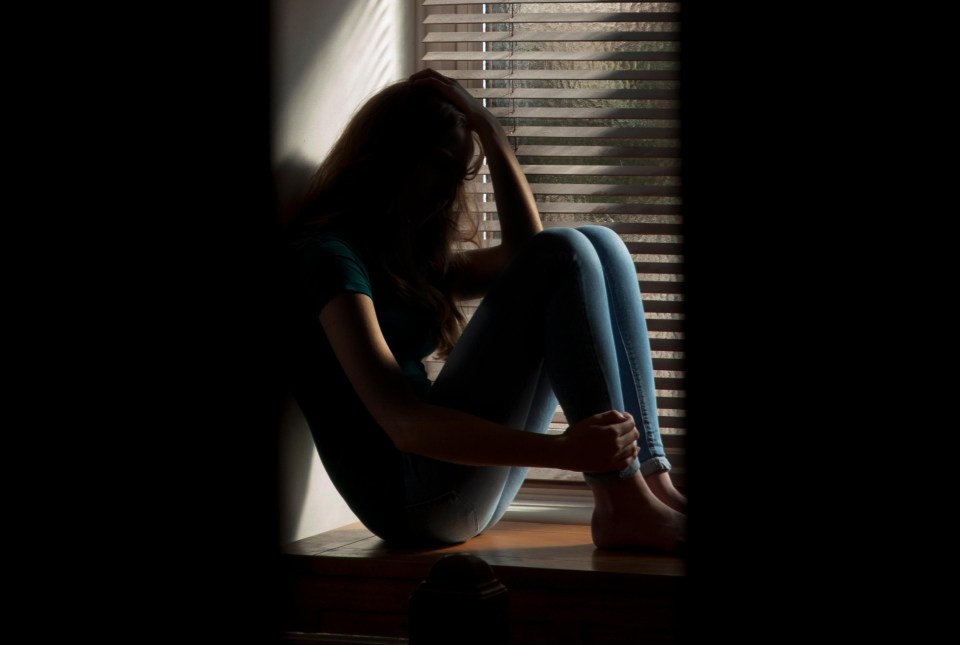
(376, 273)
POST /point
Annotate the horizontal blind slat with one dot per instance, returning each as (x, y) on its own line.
(563, 75)
(633, 170)
(551, 56)
(434, 3)
(629, 152)
(594, 208)
(670, 384)
(637, 190)
(548, 93)
(580, 132)
(545, 17)
(652, 114)
(639, 114)
(540, 36)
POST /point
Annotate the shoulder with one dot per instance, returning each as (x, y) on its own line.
(319, 240)
(321, 243)
(324, 263)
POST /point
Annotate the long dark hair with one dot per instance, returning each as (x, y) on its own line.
(394, 184)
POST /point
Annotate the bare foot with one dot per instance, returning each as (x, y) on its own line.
(662, 487)
(628, 515)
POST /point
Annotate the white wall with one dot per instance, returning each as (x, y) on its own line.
(327, 57)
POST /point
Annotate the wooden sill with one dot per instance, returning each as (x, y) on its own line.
(562, 590)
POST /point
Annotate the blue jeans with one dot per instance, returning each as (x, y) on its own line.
(565, 322)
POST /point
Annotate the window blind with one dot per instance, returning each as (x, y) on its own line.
(588, 93)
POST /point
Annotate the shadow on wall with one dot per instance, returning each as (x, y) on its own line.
(297, 455)
(328, 57)
(291, 177)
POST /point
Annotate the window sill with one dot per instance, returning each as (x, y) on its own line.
(347, 581)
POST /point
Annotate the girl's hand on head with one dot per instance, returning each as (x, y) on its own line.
(600, 443)
(451, 90)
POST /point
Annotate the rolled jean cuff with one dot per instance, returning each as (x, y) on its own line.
(654, 465)
(613, 476)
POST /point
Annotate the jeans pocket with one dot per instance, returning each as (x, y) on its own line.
(446, 518)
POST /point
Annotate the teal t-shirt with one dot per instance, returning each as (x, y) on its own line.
(360, 458)
(327, 264)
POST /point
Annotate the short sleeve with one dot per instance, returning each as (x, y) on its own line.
(324, 266)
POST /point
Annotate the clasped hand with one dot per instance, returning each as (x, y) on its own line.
(600, 443)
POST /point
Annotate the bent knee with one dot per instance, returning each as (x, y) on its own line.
(602, 236)
(564, 242)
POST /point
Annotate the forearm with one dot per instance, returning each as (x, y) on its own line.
(516, 205)
(604, 442)
(454, 436)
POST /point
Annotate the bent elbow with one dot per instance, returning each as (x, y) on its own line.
(402, 430)
(403, 442)
(410, 442)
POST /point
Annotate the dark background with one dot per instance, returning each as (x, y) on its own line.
(142, 265)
